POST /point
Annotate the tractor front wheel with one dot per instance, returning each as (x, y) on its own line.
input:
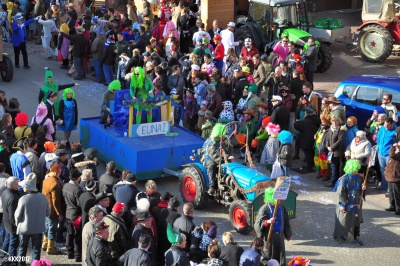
(7, 70)
(375, 43)
(191, 187)
(239, 214)
(324, 59)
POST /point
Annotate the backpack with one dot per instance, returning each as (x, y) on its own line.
(40, 126)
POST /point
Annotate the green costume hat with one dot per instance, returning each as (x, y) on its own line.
(173, 236)
(252, 88)
(218, 131)
(352, 166)
(268, 193)
(50, 87)
(114, 85)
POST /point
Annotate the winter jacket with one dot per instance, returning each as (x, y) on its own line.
(214, 104)
(185, 225)
(349, 136)
(176, 256)
(311, 56)
(126, 194)
(98, 252)
(75, 158)
(107, 181)
(19, 32)
(119, 237)
(135, 256)
(285, 155)
(176, 81)
(334, 139)
(250, 258)
(52, 189)
(71, 192)
(88, 164)
(238, 92)
(259, 75)
(392, 170)
(231, 253)
(280, 115)
(137, 232)
(252, 103)
(307, 127)
(359, 152)
(140, 43)
(9, 200)
(30, 215)
(80, 43)
(108, 55)
(86, 201)
(98, 46)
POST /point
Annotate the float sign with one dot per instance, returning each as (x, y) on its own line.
(281, 188)
(151, 129)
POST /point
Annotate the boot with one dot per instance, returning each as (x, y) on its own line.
(44, 244)
(51, 248)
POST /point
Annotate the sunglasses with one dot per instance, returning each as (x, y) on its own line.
(136, 74)
(284, 41)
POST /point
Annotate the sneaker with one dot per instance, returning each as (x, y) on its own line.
(27, 67)
(63, 67)
(358, 241)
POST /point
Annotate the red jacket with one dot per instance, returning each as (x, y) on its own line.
(248, 55)
(219, 52)
(166, 15)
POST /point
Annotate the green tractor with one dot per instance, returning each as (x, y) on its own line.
(267, 21)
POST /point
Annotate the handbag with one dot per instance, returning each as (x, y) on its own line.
(277, 170)
(77, 222)
(322, 149)
(59, 57)
(329, 157)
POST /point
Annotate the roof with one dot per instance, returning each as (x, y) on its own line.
(276, 2)
(381, 80)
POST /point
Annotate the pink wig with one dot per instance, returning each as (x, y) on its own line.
(21, 119)
(273, 129)
(41, 111)
(170, 26)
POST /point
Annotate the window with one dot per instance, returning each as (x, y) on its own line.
(368, 95)
(348, 90)
(373, 6)
(395, 97)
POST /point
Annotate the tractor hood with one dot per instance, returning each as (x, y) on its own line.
(247, 178)
(277, 2)
(299, 37)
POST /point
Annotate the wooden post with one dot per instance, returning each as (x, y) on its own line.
(130, 123)
(221, 10)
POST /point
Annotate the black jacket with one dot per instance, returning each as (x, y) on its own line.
(108, 55)
(296, 88)
(71, 193)
(51, 112)
(311, 56)
(176, 256)
(307, 127)
(80, 43)
(281, 115)
(231, 253)
(141, 43)
(154, 199)
(75, 158)
(135, 256)
(185, 225)
(137, 232)
(86, 201)
(9, 200)
(274, 84)
(134, 62)
(242, 82)
(107, 181)
(98, 252)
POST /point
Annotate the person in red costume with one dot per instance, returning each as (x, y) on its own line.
(248, 51)
(164, 15)
(219, 53)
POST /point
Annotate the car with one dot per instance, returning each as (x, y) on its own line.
(361, 94)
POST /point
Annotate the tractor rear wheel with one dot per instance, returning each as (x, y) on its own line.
(191, 186)
(241, 34)
(375, 43)
(324, 59)
(7, 70)
(272, 59)
(239, 214)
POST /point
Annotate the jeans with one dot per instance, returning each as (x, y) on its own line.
(335, 165)
(46, 46)
(212, 171)
(23, 246)
(51, 228)
(98, 68)
(108, 73)
(285, 170)
(78, 63)
(383, 160)
(10, 244)
(21, 48)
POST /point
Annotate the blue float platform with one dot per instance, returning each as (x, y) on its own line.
(144, 156)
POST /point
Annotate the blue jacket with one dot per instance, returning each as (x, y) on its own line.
(349, 136)
(250, 258)
(19, 32)
(386, 139)
(127, 195)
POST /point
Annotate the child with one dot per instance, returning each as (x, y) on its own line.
(285, 151)
(190, 110)
(249, 121)
(208, 125)
(200, 87)
(270, 150)
(68, 114)
(121, 70)
(201, 113)
(227, 115)
(158, 92)
(4, 22)
(179, 110)
(262, 134)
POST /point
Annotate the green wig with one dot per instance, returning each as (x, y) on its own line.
(352, 166)
(138, 82)
(114, 85)
(66, 91)
(218, 131)
(268, 193)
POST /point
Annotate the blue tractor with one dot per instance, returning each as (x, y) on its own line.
(239, 187)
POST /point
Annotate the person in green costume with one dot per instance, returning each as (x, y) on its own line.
(141, 88)
(49, 85)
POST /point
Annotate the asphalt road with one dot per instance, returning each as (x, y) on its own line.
(313, 226)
